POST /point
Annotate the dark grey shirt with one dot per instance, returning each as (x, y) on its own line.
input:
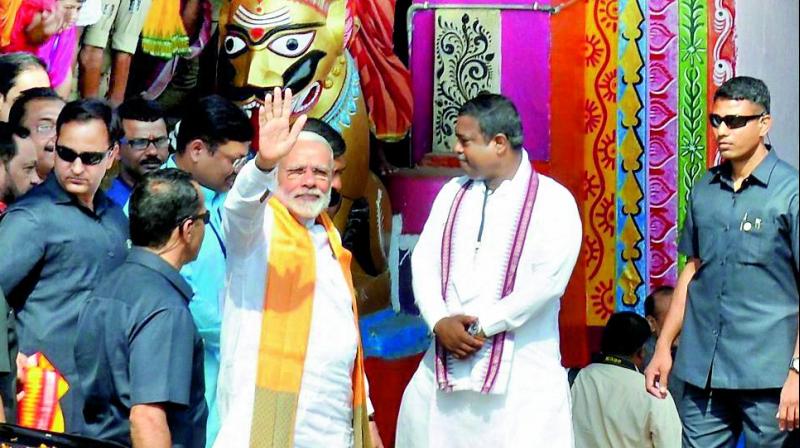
(740, 324)
(54, 253)
(8, 356)
(137, 344)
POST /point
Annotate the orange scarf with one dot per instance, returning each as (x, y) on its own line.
(285, 327)
(8, 13)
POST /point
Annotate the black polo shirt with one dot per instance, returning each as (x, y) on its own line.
(54, 251)
(137, 344)
(740, 323)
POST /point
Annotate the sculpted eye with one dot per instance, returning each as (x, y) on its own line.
(234, 46)
(292, 45)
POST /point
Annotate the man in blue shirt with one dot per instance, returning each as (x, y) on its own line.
(212, 145)
(138, 353)
(17, 176)
(144, 146)
(60, 239)
(736, 301)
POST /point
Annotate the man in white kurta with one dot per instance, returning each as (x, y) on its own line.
(529, 403)
(324, 415)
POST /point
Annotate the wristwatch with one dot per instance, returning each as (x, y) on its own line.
(795, 364)
(474, 328)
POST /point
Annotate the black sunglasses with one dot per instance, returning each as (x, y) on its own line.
(87, 158)
(205, 217)
(732, 121)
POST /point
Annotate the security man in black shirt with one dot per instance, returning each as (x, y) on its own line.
(736, 303)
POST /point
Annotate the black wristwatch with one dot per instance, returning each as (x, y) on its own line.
(795, 364)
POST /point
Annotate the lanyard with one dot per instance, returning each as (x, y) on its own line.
(483, 216)
(219, 237)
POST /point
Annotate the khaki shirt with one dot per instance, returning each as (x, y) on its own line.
(611, 408)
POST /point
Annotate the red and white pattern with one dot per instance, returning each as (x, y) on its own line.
(663, 158)
(721, 57)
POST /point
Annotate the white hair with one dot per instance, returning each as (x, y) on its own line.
(307, 136)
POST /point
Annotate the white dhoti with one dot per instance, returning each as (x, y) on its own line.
(531, 406)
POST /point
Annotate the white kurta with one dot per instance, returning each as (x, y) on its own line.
(324, 409)
(535, 407)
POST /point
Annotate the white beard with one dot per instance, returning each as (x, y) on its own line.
(308, 210)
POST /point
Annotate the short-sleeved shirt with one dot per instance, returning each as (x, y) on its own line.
(58, 250)
(610, 408)
(137, 344)
(740, 323)
(206, 276)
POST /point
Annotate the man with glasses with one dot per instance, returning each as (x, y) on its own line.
(143, 148)
(61, 239)
(138, 352)
(212, 145)
(37, 110)
(736, 301)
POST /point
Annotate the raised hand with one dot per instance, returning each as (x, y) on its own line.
(276, 134)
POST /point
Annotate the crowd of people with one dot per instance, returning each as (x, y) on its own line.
(197, 294)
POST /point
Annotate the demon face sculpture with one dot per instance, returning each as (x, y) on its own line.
(286, 43)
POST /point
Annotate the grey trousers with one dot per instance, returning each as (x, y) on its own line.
(715, 418)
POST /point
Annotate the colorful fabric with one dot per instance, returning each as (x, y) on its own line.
(386, 82)
(631, 209)
(566, 162)
(163, 34)
(600, 147)
(721, 58)
(8, 14)
(14, 37)
(521, 35)
(163, 73)
(693, 87)
(58, 53)
(44, 386)
(285, 328)
(662, 68)
(498, 341)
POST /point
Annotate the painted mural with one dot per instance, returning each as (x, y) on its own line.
(613, 95)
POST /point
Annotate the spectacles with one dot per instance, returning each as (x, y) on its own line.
(732, 121)
(87, 158)
(140, 144)
(45, 128)
(205, 217)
